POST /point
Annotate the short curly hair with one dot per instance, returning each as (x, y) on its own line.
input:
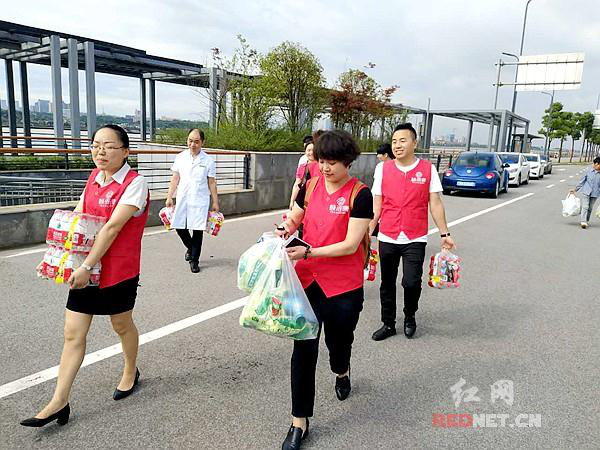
(337, 145)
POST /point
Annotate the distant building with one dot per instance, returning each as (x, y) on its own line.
(42, 106)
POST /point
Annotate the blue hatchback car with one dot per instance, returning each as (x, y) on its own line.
(478, 172)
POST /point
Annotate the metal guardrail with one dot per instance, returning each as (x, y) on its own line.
(233, 172)
(441, 161)
(28, 191)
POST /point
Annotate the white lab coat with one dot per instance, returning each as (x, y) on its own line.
(193, 195)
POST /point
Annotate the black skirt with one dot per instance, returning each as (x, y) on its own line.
(115, 299)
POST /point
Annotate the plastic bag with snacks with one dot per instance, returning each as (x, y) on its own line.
(70, 238)
(166, 216)
(254, 261)
(214, 223)
(444, 270)
(277, 304)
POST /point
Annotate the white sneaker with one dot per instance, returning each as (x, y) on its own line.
(584, 225)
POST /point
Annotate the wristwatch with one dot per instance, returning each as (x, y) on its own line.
(87, 267)
(445, 235)
(306, 252)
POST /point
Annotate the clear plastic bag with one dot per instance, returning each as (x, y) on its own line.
(277, 304)
(254, 261)
(166, 216)
(444, 270)
(571, 206)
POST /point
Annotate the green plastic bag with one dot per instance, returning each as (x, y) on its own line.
(277, 304)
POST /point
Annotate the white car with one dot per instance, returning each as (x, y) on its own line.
(536, 165)
(518, 170)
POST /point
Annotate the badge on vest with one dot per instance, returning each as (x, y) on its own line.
(418, 179)
(340, 207)
(107, 201)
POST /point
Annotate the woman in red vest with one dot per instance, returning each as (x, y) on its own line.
(119, 194)
(335, 209)
(305, 172)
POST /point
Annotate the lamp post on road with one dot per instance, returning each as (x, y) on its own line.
(547, 131)
(514, 102)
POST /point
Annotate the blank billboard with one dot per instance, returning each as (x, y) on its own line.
(550, 72)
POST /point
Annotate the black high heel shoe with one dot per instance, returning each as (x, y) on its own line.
(61, 417)
(294, 438)
(119, 395)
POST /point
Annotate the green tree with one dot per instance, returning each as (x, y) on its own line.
(251, 108)
(551, 121)
(575, 130)
(293, 80)
(562, 128)
(587, 126)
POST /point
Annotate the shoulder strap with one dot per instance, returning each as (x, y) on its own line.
(355, 190)
(312, 184)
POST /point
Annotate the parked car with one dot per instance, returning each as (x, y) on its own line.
(518, 171)
(476, 172)
(536, 166)
(547, 164)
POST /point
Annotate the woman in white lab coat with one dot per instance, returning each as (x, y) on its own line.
(194, 180)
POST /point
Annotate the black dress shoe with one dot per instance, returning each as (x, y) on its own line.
(194, 267)
(119, 395)
(343, 387)
(294, 438)
(188, 255)
(383, 333)
(410, 326)
(61, 417)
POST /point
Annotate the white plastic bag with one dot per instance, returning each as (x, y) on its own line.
(571, 205)
(277, 304)
(444, 270)
(254, 261)
(598, 212)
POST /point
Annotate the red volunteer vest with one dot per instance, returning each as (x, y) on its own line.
(326, 222)
(405, 200)
(313, 169)
(122, 260)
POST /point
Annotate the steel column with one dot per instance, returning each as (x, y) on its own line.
(213, 80)
(469, 135)
(152, 88)
(90, 87)
(501, 134)
(143, 132)
(74, 92)
(10, 97)
(25, 102)
(55, 69)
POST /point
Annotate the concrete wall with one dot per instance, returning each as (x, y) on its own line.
(272, 181)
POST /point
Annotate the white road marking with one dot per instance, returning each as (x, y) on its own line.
(549, 186)
(94, 357)
(563, 180)
(561, 170)
(150, 233)
(570, 176)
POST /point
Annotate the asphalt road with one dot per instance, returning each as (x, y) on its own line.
(527, 312)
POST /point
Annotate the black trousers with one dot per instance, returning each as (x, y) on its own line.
(338, 317)
(193, 243)
(413, 257)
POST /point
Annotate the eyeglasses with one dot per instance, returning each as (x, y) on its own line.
(108, 148)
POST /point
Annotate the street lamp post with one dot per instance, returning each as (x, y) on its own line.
(546, 149)
(514, 102)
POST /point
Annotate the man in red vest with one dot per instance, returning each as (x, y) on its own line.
(403, 190)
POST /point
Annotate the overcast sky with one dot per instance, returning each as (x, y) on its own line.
(439, 49)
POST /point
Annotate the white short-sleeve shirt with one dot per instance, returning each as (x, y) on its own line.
(136, 194)
(435, 185)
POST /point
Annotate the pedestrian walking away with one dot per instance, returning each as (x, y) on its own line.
(404, 188)
(336, 210)
(194, 180)
(118, 194)
(589, 190)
